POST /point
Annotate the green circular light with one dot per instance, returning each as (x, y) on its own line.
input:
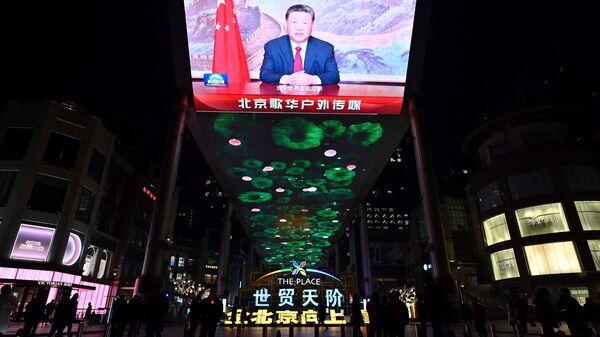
(297, 134)
(252, 163)
(255, 196)
(301, 163)
(238, 172)
(339, 174)
(341, 194)
(327, 213)
(278, 165)
(261, 182)
(364, 134)
(332, 128)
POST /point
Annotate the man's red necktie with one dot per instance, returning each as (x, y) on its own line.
(298, 60)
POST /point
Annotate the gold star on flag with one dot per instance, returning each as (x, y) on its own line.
(227, 28)
(217, 26)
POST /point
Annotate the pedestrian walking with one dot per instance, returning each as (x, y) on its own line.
(544, 312)
(60, 318)
(522, 308)
(570, 311)
(157, 308)
(118, 314)
(134, 315)
(397, 313)
(356, 318)
(421, 316)
(479, 317)
(375, 311)
(511, 312)
(72, 313)
(7, 304)
(321, 313)
(48, 312)
(437, 306)
(34, 314)
(88, 312)
(194, 315)
(214, 313)
(591, 315)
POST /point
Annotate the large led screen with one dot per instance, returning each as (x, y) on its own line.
(338, 56)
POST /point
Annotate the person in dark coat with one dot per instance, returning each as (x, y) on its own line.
(522, 308)
(214, 313)
(49, 311)
(195, 315)
(72, 313)
(397, 313)
(421, 314)
(356, 318)
(118, 313)
(157, 307)
(570, 311)
(61, 314)
(88, 312)
(321, 313)
(437, 306)
(34, 314)
(375, 310)
(134, 314)
(479, 317)
(544, 312)
(591, 314)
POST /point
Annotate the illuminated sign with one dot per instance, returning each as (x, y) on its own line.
(55, 283)
(294, 299)
(73, 251)
(149, 193)
(215, 80)
(32, 243)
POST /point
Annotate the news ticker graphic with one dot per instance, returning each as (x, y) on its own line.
(268, 98)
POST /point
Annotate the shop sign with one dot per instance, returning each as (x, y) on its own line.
(55, 283)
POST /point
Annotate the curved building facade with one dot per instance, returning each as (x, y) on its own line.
(536, 200)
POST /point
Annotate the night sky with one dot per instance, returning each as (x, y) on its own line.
(483, 59)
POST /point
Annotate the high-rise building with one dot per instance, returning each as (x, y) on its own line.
(536, 201)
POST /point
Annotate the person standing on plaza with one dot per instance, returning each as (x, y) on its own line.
(48, 312)
(437, 306)
(397, 313)
(511, 312)
(59, 321)
(195, 315)
(213, 315)
(479, 317)
(157, 307)
(117, 316)
(356, 318)
(570, 311)
(134, 314)
(421, 314)
(88, 312)
(522, 308)
(34, 314)
(544, 312)
(375, 310)
(321, 313)
(591, 315)
(72, 313)
(7, 305)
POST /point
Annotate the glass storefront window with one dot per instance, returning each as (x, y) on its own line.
(589, 214)
(542, 219)
(504, 264)
(496, 230)
(552, 258)
(595, 250)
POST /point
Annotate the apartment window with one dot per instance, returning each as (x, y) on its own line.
(489, 197)
(496, 230)
(531, 184)
(552, 258)
(210, 278)
(504, 264)
(15, 143)
(181, 262)
(595, 250)
(173, 261)
(96, 166)
(542, 219)
(48, 194)
(582, 178)
(62, 151)
(86, 203)
(7, 178)
(589, 214)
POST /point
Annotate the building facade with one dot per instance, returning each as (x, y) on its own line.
(536, 201)
(68, 203)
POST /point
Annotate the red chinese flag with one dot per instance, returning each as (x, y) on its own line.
(229, 56)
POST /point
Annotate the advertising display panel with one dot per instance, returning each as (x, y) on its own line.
(32, 243)
(339, 56)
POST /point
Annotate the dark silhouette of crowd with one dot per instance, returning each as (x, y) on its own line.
(206, 312)
(388, 316)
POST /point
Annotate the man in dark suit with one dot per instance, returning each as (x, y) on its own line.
(298, 58)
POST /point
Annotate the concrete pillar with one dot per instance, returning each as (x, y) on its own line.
(429, 195)
(166, 186)
(224, 251)
(365, 258)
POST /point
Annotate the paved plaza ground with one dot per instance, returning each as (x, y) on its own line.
(502, 329)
